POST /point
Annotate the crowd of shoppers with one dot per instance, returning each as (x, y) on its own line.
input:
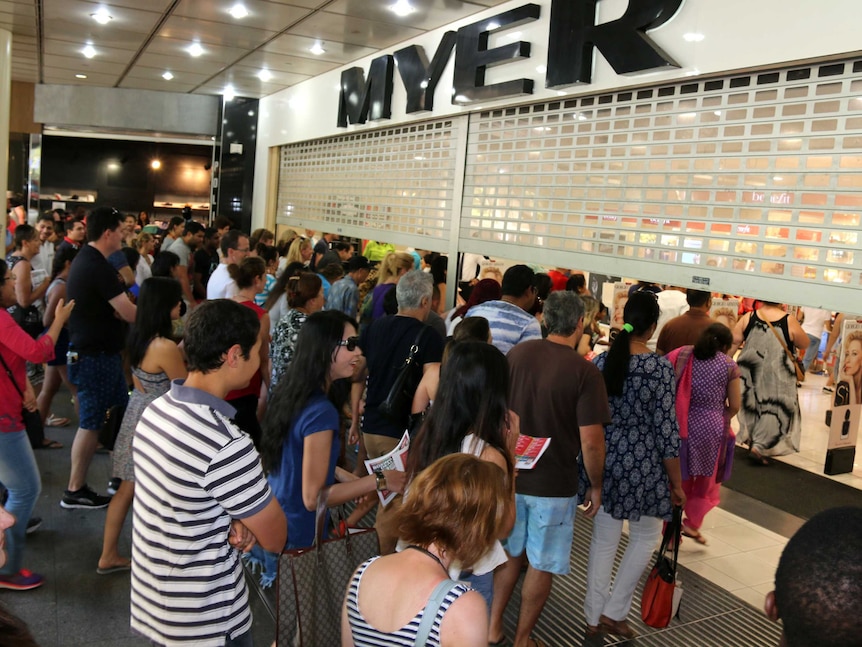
(243, 404)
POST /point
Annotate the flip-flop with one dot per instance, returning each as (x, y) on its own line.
(694, 534)
(51, 444)
(54, 421)
(119, 568)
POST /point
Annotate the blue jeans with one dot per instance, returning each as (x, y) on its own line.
(20, 474)
(811, 351)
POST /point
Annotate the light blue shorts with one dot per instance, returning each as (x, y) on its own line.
(544, 526)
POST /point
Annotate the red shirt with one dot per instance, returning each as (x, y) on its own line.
(16, 346)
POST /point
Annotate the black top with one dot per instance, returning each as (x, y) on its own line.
(386, 344)
(92, 283)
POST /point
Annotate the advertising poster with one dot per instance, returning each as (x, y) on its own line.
(618, 304)
(725, 311)
(847, 401)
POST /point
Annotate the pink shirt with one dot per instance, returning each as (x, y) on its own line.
(15, 347)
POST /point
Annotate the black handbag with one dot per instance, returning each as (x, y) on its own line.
(32, 419)
(111, 426)
(28, 318)
(396, 407)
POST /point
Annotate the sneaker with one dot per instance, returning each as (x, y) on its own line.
(114, 485)
(34, 524)
(23, 580)
(828, 389)
(85, 498)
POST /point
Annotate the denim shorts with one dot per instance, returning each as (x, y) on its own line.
(545, 527)
(101, 385)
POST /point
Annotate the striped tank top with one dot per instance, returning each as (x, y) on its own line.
(364, 635)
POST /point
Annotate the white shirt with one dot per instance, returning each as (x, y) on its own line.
(671, 303)
(221, 285)
(815, 319)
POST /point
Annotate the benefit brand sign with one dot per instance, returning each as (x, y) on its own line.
(573, 38)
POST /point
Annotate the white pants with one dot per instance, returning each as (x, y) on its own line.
(643, 536)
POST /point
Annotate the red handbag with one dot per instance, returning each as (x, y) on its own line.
(662, 593)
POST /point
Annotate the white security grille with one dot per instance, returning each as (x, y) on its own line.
(741, 178)
(395, 180)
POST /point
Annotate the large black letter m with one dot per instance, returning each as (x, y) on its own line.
(359, 100)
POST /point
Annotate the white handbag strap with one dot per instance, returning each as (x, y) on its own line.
(431, 609)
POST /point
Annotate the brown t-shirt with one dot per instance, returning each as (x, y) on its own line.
(555, 391)
(683, 330)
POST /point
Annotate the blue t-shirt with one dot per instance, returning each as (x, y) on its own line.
(318, 415)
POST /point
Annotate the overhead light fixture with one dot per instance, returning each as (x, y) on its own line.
(229, 93)
(693, 37)
(89, 51)
(317, 49)
(402, 8)
(167, 76)
(101, 16)
(155, 165)
(80, 76)
(238, 11)
(195, 49)
(264, 75)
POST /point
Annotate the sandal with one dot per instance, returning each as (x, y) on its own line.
(50, 444)
(54, 421)
(755, 457)
(694, 534)
(537, 642)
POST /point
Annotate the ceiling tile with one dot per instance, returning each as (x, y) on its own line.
(81, 64)
(243, 74)
(77, 15)
(428, 14)
(158, 84)
(293, 64)
(67, 77)
(269, 16)
(213, 33)
(358, 31)
(73, 50)
(336, 52)
(205, 65)
(143, 73)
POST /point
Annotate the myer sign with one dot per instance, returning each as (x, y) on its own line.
(572, 38)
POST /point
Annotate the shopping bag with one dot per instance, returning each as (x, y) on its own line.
(662, 593)
(312, 583)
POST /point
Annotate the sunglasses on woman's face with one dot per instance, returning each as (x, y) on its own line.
(351, 343)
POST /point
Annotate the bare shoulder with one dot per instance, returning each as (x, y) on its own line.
(465, 623)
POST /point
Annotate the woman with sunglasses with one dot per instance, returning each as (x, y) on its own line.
(301, 430)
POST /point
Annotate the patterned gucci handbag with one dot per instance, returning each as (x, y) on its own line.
(312, 583)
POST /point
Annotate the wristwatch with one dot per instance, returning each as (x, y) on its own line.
(381, 480)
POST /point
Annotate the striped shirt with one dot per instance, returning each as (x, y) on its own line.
(364, 635)
(194, 471)
(509, 323)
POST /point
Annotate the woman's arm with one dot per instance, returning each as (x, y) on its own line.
(734, 398)
(25, 295)
(56, 294)
(493, 455)
(316, 448)
(674, 475)
(738, 333)
(797, 335)
(426, 390)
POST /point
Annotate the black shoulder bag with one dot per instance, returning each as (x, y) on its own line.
(396, 407)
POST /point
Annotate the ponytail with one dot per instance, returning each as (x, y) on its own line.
(640, 313)
(716, 338)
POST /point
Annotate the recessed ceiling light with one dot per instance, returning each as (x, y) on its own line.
(167, 76)
(101, 16)
(80, 76)
(195, 49)
(238, 11)
(156, 165)
(317, 49)
(229, 93)
(491, 26)
(693, 37)
(89, 51)
(264, 75)
(402, 8)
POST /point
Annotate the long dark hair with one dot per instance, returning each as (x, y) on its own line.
(716, 338)
(641, 312)
(281, 284)
(157, 298)
(471, 398)
(62, 255)
(307, 372)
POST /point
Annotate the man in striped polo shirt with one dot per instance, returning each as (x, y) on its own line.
(509, 319)
(200, 496)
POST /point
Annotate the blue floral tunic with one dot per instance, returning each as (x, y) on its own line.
(643, 433)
